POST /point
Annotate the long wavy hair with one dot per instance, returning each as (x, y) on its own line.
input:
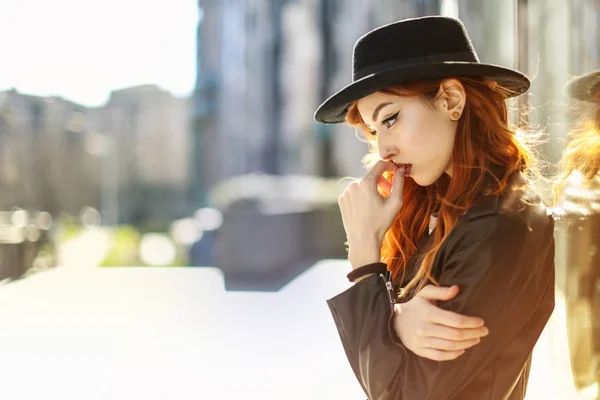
(582, 152)
(484, 142)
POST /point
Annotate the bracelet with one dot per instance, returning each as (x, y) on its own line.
(374, 268)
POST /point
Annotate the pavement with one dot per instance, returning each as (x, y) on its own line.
(175, 333)
(170, 333)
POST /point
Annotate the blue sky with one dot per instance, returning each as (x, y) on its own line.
(83, 49)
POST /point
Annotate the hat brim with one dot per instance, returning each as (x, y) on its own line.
(583, 87)
(334, 109)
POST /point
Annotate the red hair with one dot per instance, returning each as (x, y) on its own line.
(582, 154)
(483, 138)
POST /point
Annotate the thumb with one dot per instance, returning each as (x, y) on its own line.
(433, 293)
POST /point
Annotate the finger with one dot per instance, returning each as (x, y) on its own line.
(448, 345)
(454, 334)
(438, 355)
(433, 293)
(395, 198)
(454, 320)
(378, 169)
(398, 184)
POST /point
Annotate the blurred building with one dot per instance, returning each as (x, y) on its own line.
(156, 124)
(43, 159)
(237, 109)
(205, 161)
(129, 159)
(146, 156)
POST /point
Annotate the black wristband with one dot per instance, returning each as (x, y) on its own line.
(374, 268)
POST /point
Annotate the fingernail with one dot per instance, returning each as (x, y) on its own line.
(402, 170)
(486, 331)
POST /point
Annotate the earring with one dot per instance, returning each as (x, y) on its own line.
(455, 116)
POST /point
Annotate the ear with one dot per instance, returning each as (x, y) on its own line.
(452, 98)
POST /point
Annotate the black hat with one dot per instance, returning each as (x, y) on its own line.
(413, 49)
(583, 87)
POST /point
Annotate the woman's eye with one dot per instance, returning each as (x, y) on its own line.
(388, 122)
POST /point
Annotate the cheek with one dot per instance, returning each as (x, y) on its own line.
(446, 131)
(427, 134)
(439, 135)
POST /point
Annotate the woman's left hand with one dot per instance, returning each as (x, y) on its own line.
(432, 332)
(367, 215)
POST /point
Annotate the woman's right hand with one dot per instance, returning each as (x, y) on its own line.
(433, 333)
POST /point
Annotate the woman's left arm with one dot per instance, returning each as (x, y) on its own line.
(505, 273)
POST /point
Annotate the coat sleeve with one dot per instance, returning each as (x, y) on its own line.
(501, 280)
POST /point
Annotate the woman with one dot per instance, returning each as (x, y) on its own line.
(577, 190)
(457, 214)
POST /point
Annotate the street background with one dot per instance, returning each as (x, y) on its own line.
(168, 207)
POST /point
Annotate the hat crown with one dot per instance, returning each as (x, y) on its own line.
(584, 87)
(412, 41)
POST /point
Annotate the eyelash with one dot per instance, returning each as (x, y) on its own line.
(392, 118)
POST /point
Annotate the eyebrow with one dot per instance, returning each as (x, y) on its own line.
(378, 109)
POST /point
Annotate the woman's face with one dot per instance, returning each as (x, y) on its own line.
(409, 130)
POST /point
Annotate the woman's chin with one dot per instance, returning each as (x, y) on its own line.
(424, 180)
(417, 180)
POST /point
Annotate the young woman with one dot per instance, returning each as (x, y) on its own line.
(444, 213)
(577, 189)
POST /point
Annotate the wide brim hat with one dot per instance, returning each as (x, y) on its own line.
(409, 50)
(584, 87)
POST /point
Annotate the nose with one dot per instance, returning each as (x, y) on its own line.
(387, 147)
(386, 153)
